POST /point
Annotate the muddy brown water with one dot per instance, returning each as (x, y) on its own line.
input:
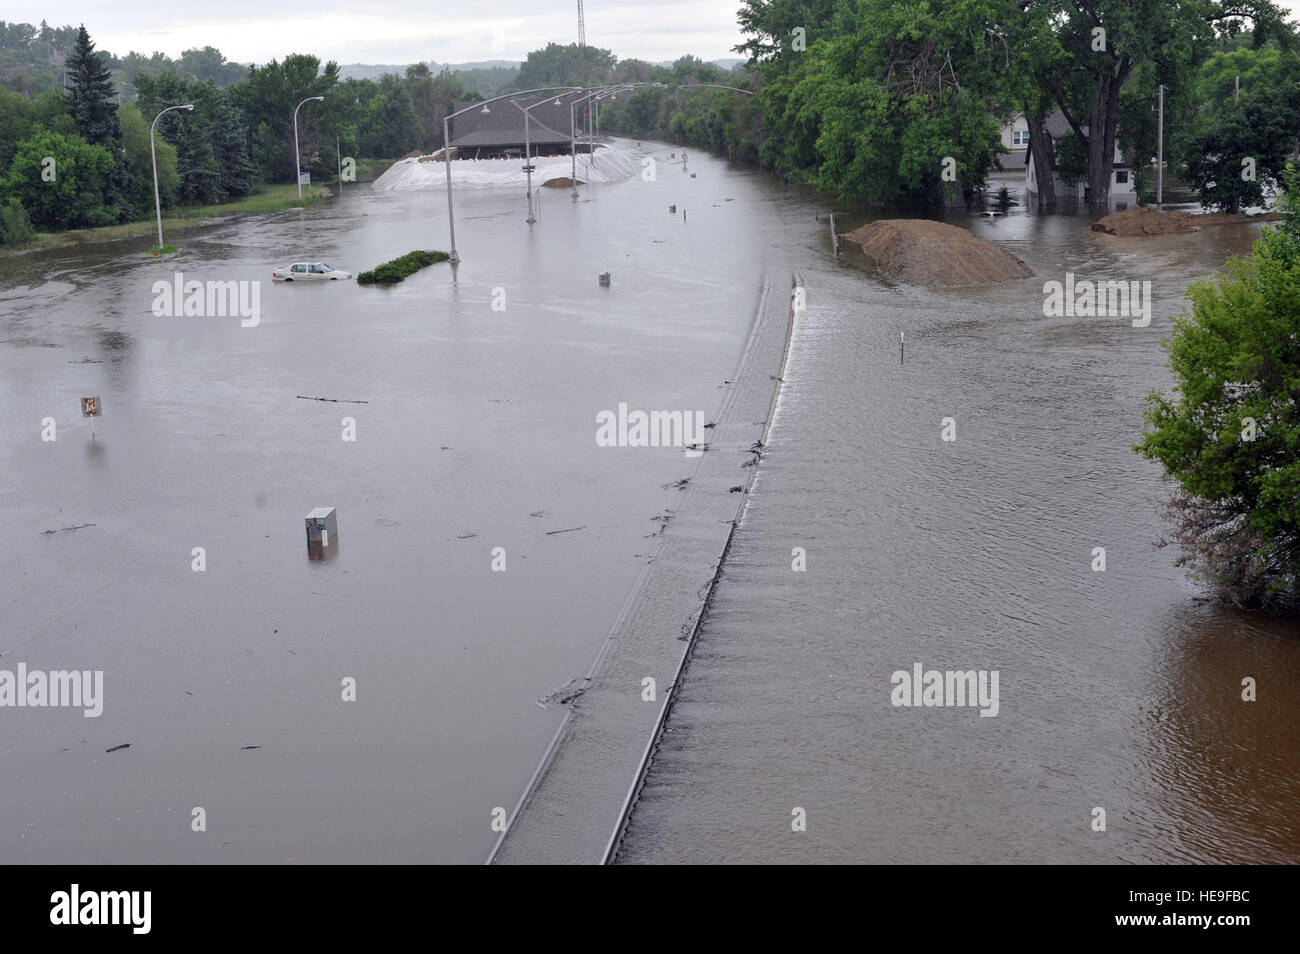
(1117, 689)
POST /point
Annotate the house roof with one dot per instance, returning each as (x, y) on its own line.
(504, 124)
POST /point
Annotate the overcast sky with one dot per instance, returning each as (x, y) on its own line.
(395, 31)
(399, 31)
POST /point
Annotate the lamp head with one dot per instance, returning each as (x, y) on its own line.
(188, 106)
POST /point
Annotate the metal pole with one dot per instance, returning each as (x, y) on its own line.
(157, 203)
(339, 149)
(528, 169)
(573, 150)
(297, 157)
(446, 161)
(1160, 153)
(153, 154)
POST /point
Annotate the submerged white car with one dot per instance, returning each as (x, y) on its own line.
(308, 271)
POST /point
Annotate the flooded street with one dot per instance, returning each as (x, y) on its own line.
(1117, 690)
(478, 433)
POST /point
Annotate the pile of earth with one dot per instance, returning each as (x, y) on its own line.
(1143, 220)
(924, 252)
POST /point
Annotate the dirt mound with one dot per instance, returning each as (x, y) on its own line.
(1147, 221)
(922, 252)
(562, 182)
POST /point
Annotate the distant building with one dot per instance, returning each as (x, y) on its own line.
(500, 132)
(1015, 138)
(1122, 186)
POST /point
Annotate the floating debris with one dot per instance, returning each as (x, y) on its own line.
(303, 397)
(566, 693)
(80, 526)
(245, 748)
(466, 536)
(739, 488)
(678, 484)
(118, 748)
(551, 533)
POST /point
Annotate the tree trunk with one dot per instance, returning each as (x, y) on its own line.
(1040, 149)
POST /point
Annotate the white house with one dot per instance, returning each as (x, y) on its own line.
(1016, 130)
(1015, 139)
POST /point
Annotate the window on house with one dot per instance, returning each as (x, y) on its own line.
(1121, 176)
(1020, 137)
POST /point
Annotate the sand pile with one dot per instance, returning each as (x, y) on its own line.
(1147, 221)
(922, 252)
(606, 164)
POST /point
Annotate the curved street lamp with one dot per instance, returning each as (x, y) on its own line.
(297, 158)
(157, 204)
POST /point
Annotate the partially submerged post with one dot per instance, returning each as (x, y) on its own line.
(322, 527)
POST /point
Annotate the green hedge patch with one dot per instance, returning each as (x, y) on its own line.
(392, 272)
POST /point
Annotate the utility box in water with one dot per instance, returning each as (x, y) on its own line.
(322, 526)
(604, 279)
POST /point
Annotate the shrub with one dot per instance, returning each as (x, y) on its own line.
(15, 227)
(390, 273)
(1231, 435)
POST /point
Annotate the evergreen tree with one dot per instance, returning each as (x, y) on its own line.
(92, 98)
(92, 103)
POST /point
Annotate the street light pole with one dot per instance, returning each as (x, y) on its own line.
(528, 159)
(528, 168)
(297, 157)
(157, 203)
(446, 162)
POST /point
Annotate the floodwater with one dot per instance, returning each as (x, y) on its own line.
(478, 432)
(1117, 689)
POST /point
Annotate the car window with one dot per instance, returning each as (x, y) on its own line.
(325, 268)
(319, 269)
(300, 268)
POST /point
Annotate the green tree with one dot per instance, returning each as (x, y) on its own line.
(390, 127)
(564, 65)
(92, 100)
(21, 118)
(74, 197)
(1240, 147)
(267, 97)
(1230, 434)
(92, 97)
(15, 226)
(135, 139)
